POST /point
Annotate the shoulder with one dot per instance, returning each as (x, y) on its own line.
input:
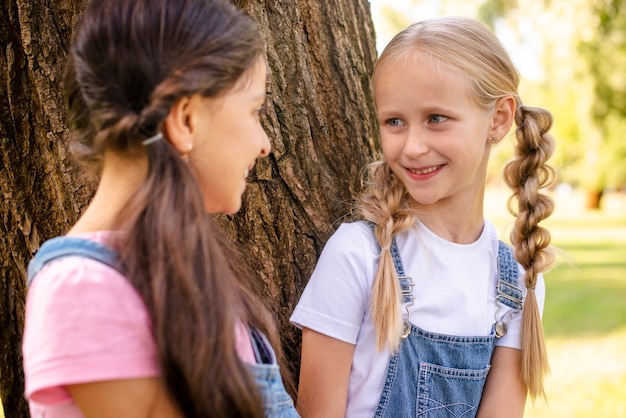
(350, 232)
(78, 275)
(353, 240)
(84, 288)
(84, 322)
(336, 296)
(353, 247)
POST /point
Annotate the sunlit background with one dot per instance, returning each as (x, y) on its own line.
(572, 58)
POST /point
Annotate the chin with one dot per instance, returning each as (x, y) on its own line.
(231, 209)
(228, 209)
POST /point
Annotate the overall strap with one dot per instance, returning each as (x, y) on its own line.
(60, 247)
(509, 292)
(406, 283)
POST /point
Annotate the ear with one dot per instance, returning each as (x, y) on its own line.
(503, 117)
(179, 126)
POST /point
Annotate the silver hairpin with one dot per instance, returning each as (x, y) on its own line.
(152, 139)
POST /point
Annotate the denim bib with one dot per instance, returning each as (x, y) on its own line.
(276, 401)
(266, 374)
(440, 376)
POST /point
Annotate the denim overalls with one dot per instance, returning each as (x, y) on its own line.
(266, 374)
(435, 375)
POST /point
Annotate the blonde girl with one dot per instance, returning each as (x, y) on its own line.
(417, 309)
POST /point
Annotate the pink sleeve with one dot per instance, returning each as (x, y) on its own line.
(84, 323)
(243, 344)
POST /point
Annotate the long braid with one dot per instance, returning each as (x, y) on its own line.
(526, 175)
(385, 202)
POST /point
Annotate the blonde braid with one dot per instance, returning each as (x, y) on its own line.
(385, 202)
(526, 175)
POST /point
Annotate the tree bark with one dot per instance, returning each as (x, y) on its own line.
(320, 120)
(43, 190)
(323, 131)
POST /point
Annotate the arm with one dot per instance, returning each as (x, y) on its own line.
(143, 397)
(324, 375)
(504, 394)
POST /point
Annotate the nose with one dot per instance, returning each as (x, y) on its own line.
(415, 143)
(266, 145)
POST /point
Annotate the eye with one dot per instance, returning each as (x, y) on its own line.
(437, 119)
(259, 112)
(394, 122)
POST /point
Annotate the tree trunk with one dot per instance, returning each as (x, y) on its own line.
(320, 121)
(323, 131)
(593, 197)
(43, 190)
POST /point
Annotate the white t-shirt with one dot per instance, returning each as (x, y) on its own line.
(455, 290)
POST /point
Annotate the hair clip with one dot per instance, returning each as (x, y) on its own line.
(152, 139)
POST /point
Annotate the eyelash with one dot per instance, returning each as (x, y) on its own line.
(431, 117)
(393, 121)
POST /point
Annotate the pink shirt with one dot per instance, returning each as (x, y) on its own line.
(85, 322)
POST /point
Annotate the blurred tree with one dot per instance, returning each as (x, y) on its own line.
(577, 46)
(605, 52)
(492, 10)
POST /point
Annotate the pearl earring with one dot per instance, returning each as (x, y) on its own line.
(185, 155)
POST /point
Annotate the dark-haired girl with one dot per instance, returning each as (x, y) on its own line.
(143, 309)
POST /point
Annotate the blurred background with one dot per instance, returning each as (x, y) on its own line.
(572, 58)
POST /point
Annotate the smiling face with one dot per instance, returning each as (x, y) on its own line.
(228, 138)
(434, 136)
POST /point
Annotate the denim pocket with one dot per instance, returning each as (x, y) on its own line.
(444, 392)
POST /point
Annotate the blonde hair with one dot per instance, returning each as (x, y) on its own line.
(468, 47)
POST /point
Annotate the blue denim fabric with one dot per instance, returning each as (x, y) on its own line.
(435, 375)
(276, 400)
(440, 376)
(60, 247)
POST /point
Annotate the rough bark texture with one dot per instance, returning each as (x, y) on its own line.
(43, 190)
(322, 126)
(320, 120)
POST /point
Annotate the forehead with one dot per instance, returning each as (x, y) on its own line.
(255, 76)
(419, 76)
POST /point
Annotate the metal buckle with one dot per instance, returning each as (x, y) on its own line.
(407, 297)
(515, 303)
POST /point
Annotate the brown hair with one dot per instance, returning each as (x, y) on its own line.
(470, 48)
(130, 61)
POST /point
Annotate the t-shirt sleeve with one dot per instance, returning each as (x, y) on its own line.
(84, 322)
(336, 297)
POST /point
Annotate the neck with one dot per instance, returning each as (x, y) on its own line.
(120, 179)
(454, 221)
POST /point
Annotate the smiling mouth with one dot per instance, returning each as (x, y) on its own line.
(426, 170)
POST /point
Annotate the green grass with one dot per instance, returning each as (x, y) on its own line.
(585, 311)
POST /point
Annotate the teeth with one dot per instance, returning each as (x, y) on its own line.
(246, 173)
(426, 171)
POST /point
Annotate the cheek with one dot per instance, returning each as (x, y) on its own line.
(391, 147)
